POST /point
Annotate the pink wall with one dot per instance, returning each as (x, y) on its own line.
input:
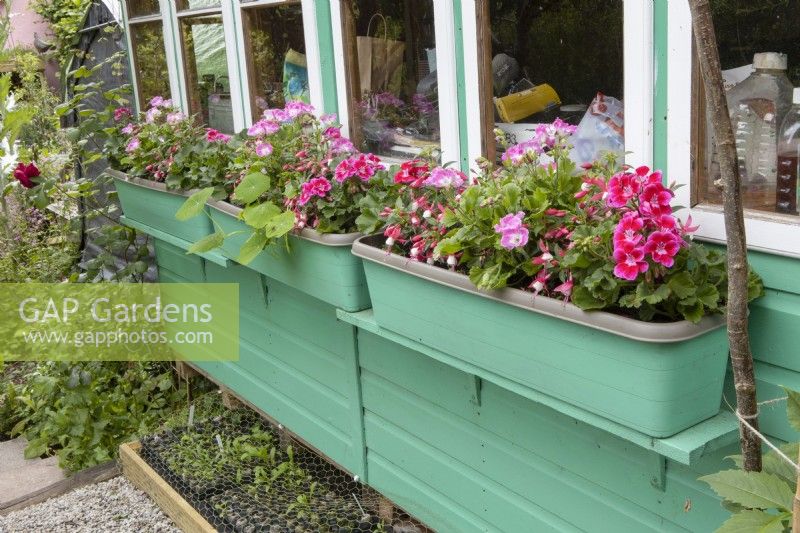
(24, 22)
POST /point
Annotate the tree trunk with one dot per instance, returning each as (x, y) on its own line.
(796, 504)
(738, 338)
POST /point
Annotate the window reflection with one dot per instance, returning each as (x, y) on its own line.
(760, 56)
(548, 60)
(391, 64)
(150, 61)
(142, 8)
(207, 81)
(183, 5)
(276, 61)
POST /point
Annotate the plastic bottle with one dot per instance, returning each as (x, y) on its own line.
(758, 105)
(789, 158)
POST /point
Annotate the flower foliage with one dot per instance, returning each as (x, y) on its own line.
(600, 237)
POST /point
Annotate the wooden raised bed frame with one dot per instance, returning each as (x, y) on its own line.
(145, 478)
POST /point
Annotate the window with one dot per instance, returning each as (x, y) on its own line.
(760, 56)
(539, 61)
(205, 63)
(148, 54)
(390, 56)
(275, 51)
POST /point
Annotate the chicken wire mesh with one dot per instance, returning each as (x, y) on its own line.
(243, 474)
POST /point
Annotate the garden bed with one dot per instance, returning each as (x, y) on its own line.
(241, 474)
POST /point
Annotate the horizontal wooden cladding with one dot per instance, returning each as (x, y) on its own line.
(509, 462)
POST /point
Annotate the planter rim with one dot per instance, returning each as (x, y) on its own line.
(326, 239)
(148, 184)
(638, 330)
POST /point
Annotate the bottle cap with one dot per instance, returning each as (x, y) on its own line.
(770, 60)
(796, 95)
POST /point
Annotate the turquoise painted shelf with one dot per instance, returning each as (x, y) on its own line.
(685, 447)
(214, 257)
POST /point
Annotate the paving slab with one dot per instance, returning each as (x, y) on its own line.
(20, 477)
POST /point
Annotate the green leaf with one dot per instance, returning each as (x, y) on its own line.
(251, 187)
(774, 464)
(195, 204)
(583, 298)
(489, 278)
(681, 284)
(448, 247)
(752, 521)
(36, 448)
(259, 215)
(709, 295)
(279, 225)
(793, 408)
(207, 243)
(252, 247)
(757, 490)
(661, 293)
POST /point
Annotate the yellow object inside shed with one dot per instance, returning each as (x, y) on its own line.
(519, 105)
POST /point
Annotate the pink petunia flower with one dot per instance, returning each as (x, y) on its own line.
(630, 261)
(263, 149)
(133, 145)
(442, 178)
(514, 238)
(510, 222)
(662, 247)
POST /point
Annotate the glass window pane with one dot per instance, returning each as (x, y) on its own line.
(276, 61)
(150, 60)
(549, 60)
(203, 42)
(183, 5)
(760, 55)
(142, 8)
(391, 56)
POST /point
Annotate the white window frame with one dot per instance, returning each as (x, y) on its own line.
(168, 50)
(227, 11)
(638, 85)
(444, 28)
(313, 61)
(769, 233)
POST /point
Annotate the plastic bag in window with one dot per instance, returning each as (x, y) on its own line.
(295, 77)
(602, 129)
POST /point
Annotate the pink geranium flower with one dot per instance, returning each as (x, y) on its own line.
(121, 113)
(655, 200)
(314, 187)
(628, 230)
(295, 108)
(622, 187)
(214, 136)
(630, 261)
(174, 118)
(128, 129)
(662, 247)
(363, 166)
(133, 145)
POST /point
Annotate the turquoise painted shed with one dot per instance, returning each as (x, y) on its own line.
(451, 443)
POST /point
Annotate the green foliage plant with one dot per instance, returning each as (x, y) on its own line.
(82, 412)
(761, 501)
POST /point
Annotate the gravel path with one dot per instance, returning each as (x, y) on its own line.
(112, 506)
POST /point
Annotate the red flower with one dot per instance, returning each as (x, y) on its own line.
(655, 199)
(412, 172)
(628, 229)
(25, 174)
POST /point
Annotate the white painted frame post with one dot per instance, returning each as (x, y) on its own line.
(769, 233)
(444, 28)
